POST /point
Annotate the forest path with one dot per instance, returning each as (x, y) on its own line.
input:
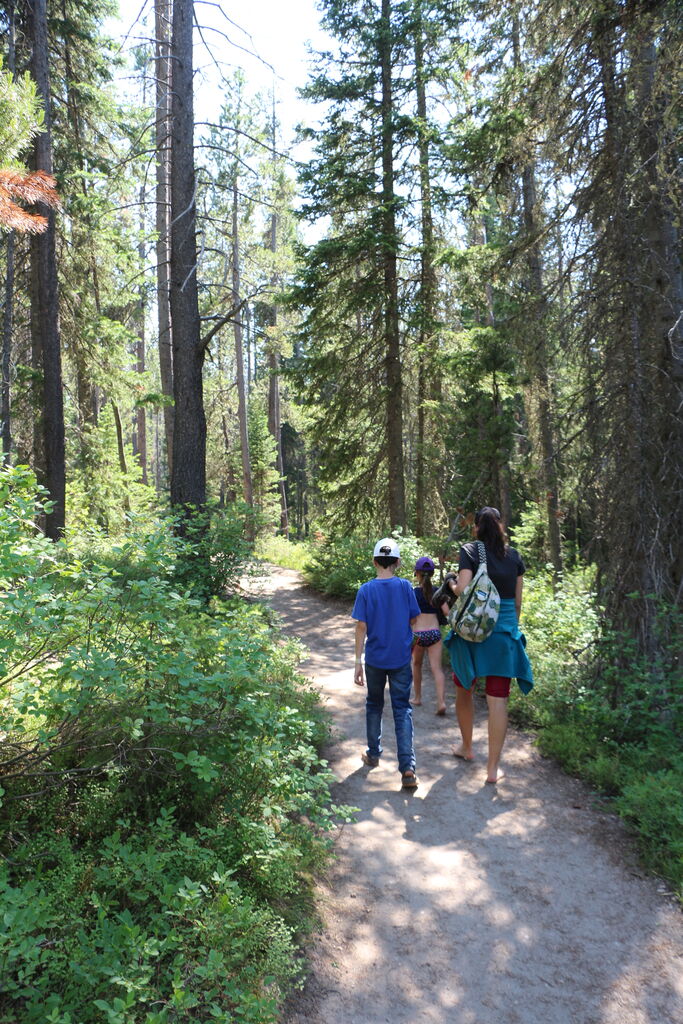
(462, 903)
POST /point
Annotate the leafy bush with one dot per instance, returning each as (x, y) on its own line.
(162, 758)
(289, 554)
(339, 565)
(607, 714)
(561, 627)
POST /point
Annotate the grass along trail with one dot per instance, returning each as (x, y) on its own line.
(462, 903)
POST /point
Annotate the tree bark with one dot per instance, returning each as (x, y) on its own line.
(274, 422)
(123, 465)
(44, 295)
(8, 312)
(247, 486)
(163, 65)
(537, 357)
(389, 248)
(188, 472)
(140, 446)
(7, 330)
(427, 294)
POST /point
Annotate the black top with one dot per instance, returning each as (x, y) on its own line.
(503, 571)
(427, 608)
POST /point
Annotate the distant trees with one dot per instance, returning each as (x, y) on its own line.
(490, 309)
(352, 365)
(540, 328)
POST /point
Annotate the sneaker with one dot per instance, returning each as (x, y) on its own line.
(409, 780)
(444, 593)
(369, 760)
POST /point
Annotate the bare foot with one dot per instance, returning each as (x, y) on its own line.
(464, 755)
(416, 701)
(441, 711)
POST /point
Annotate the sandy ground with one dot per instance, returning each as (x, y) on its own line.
(462, 903)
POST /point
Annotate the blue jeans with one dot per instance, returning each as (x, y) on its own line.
(400, 682)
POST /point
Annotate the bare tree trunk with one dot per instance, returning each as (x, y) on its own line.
(394, 383)
(663, 313)
(140, 445)
(8, 313)
(537, 357)
(7, 328)
(163, 65)
(427, 294)
(44, 295)
(188, 475)
(123, 465)
(274, 423)
(247, 486)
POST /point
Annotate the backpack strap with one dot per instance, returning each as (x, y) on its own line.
(482, 553)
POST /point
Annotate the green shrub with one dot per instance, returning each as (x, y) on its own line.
(162, 756)
(338, 566)
(652, 804)
(279, 551)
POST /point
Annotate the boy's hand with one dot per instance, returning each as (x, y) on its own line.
(358, 677)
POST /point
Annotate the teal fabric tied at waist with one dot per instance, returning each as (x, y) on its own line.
(501, 654)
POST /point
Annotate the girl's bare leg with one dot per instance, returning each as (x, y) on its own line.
(498, 724)
(464, 710)
(418, 654)
(435, 654)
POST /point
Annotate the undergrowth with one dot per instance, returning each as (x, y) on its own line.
(163, 799)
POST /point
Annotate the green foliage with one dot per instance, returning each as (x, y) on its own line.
(162, 796)
(276, 549)
(214, 551)
(529, 535)
(606, 713)
(262, 453)
(339, 565)
(21, 114)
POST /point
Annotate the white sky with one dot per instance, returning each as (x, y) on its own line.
(276, 30)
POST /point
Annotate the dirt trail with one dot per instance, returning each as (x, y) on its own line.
(463, 903)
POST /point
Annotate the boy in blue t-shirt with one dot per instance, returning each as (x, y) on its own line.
(385, 610)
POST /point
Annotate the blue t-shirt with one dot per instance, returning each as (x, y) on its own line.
(386, 606)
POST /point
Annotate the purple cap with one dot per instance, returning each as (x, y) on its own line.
(424, 564)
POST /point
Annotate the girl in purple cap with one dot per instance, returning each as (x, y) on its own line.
(427, 635)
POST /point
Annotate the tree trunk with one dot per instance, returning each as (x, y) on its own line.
(274, 423)
(247, 486)
(392, 361)
(188, 473)
(44, 295)
(140, 436)
(7, 328)
(163, 64)
(424, 479)
(537, 358)
(123, 465)
(663, 313)
(8, 313)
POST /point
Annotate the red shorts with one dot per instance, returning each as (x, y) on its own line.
(496, 686)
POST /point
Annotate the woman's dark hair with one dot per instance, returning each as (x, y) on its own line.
(426, 583)
(490, 530)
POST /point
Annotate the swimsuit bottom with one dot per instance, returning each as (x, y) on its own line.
(426, 637)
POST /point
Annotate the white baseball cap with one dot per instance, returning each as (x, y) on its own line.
(386, 547)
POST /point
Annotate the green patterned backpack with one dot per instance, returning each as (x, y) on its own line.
(475, 612)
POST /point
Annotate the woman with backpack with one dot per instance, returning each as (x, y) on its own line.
(501, 656)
